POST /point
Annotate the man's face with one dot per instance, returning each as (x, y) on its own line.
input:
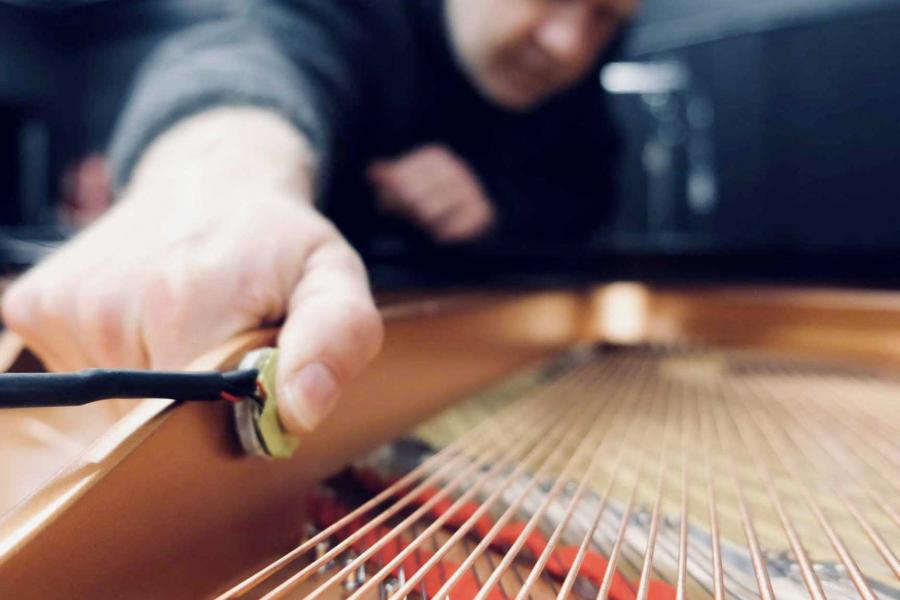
(519, 52)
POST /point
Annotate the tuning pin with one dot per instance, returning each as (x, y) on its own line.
(309, 531)
(357, 577)
(322, 548)
(392, 584)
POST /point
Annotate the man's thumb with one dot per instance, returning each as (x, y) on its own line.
(332, 331)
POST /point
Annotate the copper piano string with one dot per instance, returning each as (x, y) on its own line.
(583, 483)
(862, 415)
(446, 457)
(713, 584)
(483, 544)
(474, 487)
(808, 447)
(840, 547)
(763, 581)
(766, 437)
(783, 406)
(861, 427)
(463, 568)
(648, 553)
(663, 463)
(644, 584)
(613, 559)
(874, 537)
(790, 467)
(883, 451)
(851, 436)
(718, 571)
(714, 575)
(754, 551)
(557, 433)
(542, 560)
(681, 550)
(468, 547)
(680, 399)
(768, 454)
(442, 461)
(459, 479)
(663, 389)
(289, 584)
(538, 515)
(809, 576)
(519, 471)
(684, 501)
(589, 533)
(713, 473)
(865, 487)
(576, 567)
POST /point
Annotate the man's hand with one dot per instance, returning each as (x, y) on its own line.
(434, 188)
(216, 235)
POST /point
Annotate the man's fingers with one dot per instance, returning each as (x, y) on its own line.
(39, 317)
(466, 224)
(435, 189)
(332, 331)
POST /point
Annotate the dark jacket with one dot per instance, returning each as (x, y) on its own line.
(376, 78)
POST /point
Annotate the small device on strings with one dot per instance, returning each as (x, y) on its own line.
(256, 415)
(251, 388)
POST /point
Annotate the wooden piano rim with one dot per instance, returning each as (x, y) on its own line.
(50, 521)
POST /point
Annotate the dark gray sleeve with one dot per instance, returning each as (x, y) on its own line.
(236, 61)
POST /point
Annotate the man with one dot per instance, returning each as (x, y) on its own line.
(239, 132)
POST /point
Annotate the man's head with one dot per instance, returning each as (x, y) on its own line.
(519, 52)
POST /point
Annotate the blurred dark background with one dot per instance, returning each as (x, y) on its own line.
(761, 140)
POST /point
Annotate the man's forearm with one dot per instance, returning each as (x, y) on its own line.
(228, 148)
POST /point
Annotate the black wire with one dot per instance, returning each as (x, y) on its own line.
(24, 390)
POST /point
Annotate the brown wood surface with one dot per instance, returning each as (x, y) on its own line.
(847, 325)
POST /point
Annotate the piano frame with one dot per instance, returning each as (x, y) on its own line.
(165, 505)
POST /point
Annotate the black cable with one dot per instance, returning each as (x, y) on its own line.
(27, 390)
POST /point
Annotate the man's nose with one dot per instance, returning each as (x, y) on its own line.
(563, 36)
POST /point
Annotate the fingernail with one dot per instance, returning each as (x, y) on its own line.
(311, 395)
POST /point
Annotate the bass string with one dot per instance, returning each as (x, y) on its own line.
(852, 438)
(767, 431)
(482, 460)
(614, 554)
(517, 473)
(486, 540)
(763, 581)
(442, 460)
(684, 500)
(588, 476)
(560, 481)
(669, 430)
(588, 536)
(810, 578)
(779, 432)
(460, 478)
(809, 445)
